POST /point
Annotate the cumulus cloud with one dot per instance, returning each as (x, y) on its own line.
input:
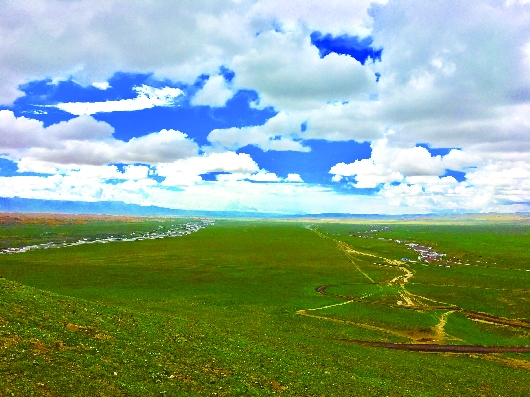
(80, 128)
(214, 162)
(332, 121)
(110, 172)
(334, 16)
(76, 188)
(498, 187)
(288, 72)
(389, 164)
(503, 180)
(296, 178)
(18, 132)
(188, 171)
(148, 97)
(339, 121)
(159, 147)
(412, 178)
(153, 148)
(22, 133)
(84, 141)
(260, 176)
(264, 177)
(367, 173)
(452, 84)
(215, 93)
(101, 85)
(233, 168)
(278, 133)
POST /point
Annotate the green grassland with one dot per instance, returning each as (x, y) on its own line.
(233, 310)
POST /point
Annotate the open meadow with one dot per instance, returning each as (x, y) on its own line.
(185, 307)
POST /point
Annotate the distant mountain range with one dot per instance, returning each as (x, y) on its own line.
(120, 208)
(112, 208)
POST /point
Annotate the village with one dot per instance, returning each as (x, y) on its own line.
(425, 254)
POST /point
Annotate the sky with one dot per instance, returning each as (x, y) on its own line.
(292, 107)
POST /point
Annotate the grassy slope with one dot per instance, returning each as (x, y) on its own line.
(213, 312)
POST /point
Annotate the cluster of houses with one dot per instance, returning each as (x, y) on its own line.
(426, 254)
(173, 231)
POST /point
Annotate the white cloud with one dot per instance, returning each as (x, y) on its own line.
(101, 85)
(448, 75)
(391, 164)
(333, 16)
(416, 161)
(148, 97)
(79, 128)
(337, 121)
(110, 172)
(289, 74)
(284, 144)
(188, 171)
(233, 167)
(215, 93)
(23, 133)
(214, 162)
(260, 176)
(264, 177)
(276, 197)
(367, 173)
(159, 147)
(331, 121)
(498, 187)
(511, 2)
(276, 134)
(84, 141)
(18, 132)
(296, 178)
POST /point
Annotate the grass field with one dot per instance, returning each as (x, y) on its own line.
(262, 307)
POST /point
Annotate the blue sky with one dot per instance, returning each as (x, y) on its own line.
(288, 107)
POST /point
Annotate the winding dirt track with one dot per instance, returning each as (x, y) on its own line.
(414, 302)
(419, 347)
(441, 348)
(472, 315)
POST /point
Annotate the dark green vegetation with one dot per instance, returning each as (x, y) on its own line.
(227, 311)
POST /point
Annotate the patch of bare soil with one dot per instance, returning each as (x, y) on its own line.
(39, 348)
(9, 340)
(88, 330)
(509, 362)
